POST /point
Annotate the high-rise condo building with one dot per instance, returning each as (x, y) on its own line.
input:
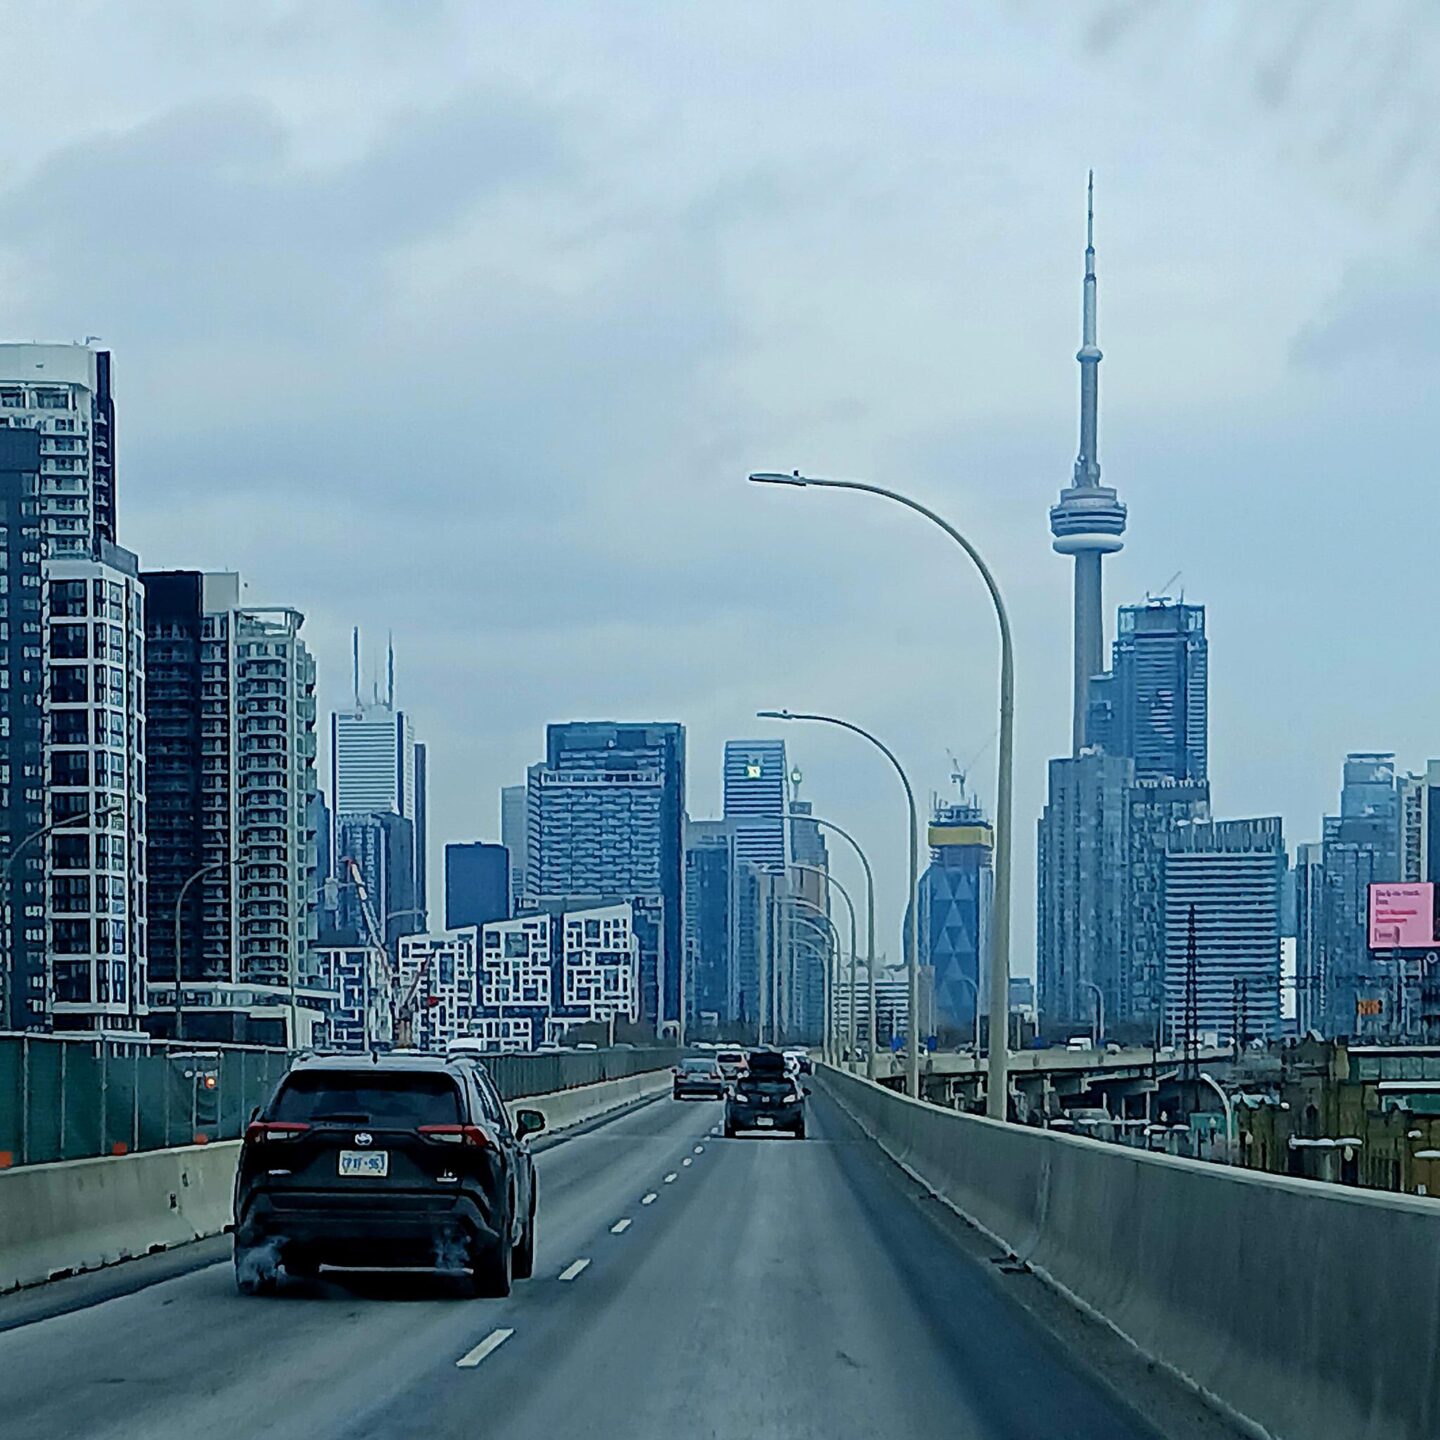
(513, 836)
(754, 798)
(91, 862)
(1153, 703)
(231, 754)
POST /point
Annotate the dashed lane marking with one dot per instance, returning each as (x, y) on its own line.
(573, 1269)
(648, 1199)
(620, 1227)
(670, 1178)
(488, 1346)
(687, 1161)
(699, 1149)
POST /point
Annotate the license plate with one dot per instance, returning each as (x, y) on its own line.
(764, 1120)
(373, 1164)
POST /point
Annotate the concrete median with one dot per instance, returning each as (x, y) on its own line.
(77, 1215)
(1308, 1310)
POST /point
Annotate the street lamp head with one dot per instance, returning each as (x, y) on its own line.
(773, 715)
(776, 477)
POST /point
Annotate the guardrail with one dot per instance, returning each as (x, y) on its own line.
(74, 1098)
(1306, 1308)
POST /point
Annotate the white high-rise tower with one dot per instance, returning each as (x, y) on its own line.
(1089, 521)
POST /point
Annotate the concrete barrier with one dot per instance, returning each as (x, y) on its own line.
(1309, 1310)
(78, 1215)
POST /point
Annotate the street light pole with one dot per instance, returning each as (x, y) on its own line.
(997, 1084)
(180, 950)
(829, 880)
(833, 944)
(1099, 1012)
(912, 1080)
(870, 962)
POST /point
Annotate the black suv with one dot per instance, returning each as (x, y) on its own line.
(766, 1097)
(388, 1160)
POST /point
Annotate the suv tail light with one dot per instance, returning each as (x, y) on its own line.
(272, 1130)
(471, 1135)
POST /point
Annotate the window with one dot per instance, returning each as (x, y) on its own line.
(52, 400)
(12, 399)
(70, 767)
(69, 684)
(68, 642)
(67, 597)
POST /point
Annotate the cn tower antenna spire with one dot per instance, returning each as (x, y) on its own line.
(1089, 521)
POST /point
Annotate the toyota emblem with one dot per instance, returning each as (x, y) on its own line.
(364, 1138)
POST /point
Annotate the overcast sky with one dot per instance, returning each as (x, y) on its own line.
(467, 321)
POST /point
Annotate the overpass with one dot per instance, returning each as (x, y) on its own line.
(907, 1269)
(1043, 1082)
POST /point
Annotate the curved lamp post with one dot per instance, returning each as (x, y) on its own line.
(830, 1025)
(997, 1083)
(870, 942)
(912, 1066)
(833, 949)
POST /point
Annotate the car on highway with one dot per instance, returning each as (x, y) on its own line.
(801, 1058)
(731, 1062)
(766, 1097)
(699, 1075)
(389, 1161)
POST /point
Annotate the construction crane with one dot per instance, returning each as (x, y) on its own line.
(957, 774)
(401, 1011)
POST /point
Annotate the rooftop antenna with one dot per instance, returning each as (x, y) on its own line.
(1163, 593)
(390, 669)
(356, 648)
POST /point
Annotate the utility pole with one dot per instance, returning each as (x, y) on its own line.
(1192, 998)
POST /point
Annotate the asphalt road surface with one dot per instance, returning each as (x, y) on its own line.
(686, 1286)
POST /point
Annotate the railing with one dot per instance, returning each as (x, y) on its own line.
(73, 1098)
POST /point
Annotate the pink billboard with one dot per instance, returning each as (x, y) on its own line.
(1402, 916)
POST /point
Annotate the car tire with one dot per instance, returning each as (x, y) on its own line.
(729, 1131)
(522, 1262)
(300, 1267)
(800, 1131)
(493, 1270)
(675, 1095)
(256, 1272)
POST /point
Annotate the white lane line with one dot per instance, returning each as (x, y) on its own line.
(670, 1178)
(573, 1269)
(488, 1346)
(687, 1161)
(619, 1227)
(648, 1199)
(699, 1149)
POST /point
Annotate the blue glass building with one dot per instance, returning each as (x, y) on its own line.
(605, 816)
(956, 895)
(477, 884)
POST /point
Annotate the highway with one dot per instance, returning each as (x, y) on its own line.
(686, 1285)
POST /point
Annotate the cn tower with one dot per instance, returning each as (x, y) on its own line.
(1089, 521)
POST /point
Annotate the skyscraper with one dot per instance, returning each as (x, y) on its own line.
(376, 771)
(754, 790)
(1153, 704)
(956, 895)
(24, 979)
(1089, 520)
(477, 884)
(1082, 890)
(514, 837)
(1227, 873)
(605, 817)
(91, 651)
(231, 760)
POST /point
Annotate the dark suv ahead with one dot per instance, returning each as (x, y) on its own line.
(766, 1097)
(391, 1160)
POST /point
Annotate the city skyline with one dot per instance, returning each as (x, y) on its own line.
(1243, 273)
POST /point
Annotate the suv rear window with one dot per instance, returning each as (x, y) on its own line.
(368, 1098)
